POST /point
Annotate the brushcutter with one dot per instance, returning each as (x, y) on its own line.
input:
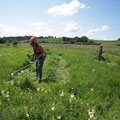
(32, 61)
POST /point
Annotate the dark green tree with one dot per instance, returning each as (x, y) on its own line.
(2, 41)
(15, 42)
(84, 39)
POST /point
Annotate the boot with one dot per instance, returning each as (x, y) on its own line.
(39, 80)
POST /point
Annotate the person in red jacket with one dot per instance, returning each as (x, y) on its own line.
(100, 52)
(39, 57)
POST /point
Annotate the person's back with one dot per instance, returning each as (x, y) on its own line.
(39, 50)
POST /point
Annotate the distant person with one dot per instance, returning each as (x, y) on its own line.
(39, 57)
(100, 52)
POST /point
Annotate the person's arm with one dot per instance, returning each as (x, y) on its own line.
(102, 50)
(30, 55)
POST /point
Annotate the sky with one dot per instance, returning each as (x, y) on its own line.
(96, 19)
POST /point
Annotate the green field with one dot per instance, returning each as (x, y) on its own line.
(104, 41)
(75, 85)
(50, 40)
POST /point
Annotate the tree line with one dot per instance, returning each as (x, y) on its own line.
(20, 38)
(80, 40)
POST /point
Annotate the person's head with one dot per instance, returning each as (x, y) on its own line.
(99, 43)
(33, 41)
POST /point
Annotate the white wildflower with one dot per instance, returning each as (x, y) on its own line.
(22, 71)
(70, 100)
(91, 89)
(31, 97)
(72, 96)
(42, 89)
(62, 94)
(53, 108)
(91, 116)
(8, 92)
(90, 113)
(93, 70)
(12, 82)
(12, 74)
(38, 89)
(59, 117)
(93, 110)
(27, 115)
(7, 96)
(88, 110)
(2, 91)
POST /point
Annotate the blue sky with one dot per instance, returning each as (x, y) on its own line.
(97, 19)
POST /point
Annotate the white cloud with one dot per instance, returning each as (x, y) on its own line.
(67, 9)
(104, 28)
(41, 28)
(71, 27)
(8, 31)
(94, 31)
(36, 29)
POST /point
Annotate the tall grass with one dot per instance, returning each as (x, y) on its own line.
(11, 59)
(75, 85)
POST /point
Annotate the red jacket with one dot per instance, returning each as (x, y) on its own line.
(39, 50)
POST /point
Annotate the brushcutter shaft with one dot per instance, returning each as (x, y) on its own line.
(14, 73)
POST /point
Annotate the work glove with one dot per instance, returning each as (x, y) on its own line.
(103, 51)
(28, 55)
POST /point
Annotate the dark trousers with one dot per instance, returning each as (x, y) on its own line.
(39, 65)
(100, 56)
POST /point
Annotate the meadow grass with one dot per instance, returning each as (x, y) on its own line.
(75, 85)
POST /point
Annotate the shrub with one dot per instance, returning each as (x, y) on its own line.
(77, 39)
(84, 39)
(2, 40)
(15, 42)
